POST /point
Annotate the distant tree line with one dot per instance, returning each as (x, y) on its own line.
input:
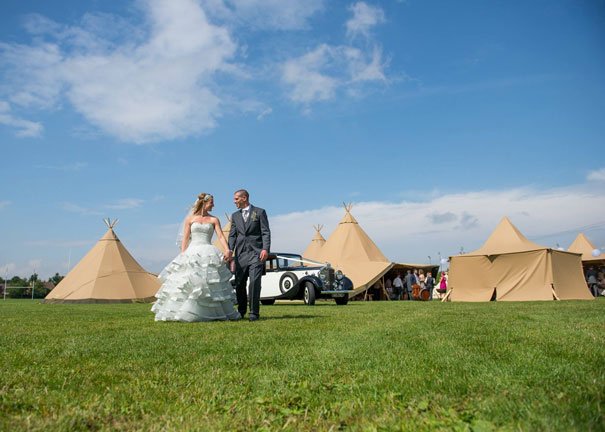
(41, 288)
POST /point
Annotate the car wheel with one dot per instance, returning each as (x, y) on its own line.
(267, 302)
(287, 281)
(342, 300)
(309, 294)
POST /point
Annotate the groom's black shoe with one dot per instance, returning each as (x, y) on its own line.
(253, 317)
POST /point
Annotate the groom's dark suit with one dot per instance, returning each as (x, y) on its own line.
(247, 240)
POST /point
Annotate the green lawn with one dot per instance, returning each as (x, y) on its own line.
(365, 366)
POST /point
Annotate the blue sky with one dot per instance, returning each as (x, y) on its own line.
(434, 118)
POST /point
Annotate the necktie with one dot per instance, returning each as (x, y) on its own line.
(245, 215)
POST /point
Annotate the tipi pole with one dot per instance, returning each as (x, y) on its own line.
(447, 295)
(384, 290)
(554, 294)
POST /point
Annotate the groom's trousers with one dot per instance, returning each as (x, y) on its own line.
(243, 271)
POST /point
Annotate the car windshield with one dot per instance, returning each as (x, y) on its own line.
(282, 261)
(288, 261)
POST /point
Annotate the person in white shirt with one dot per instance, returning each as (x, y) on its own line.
(398, 287)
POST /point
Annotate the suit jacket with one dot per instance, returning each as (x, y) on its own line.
(247, 239)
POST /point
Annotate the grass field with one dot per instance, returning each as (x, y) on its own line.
(365, 366)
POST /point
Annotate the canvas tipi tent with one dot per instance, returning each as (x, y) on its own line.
(106, 274)
(590, 254)
(313, 251)
(351, 250)
(509, 267)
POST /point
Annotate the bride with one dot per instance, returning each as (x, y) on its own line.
(196, 283)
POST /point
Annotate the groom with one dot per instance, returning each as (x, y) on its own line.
(250, 238)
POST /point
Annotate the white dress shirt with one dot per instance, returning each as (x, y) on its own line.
(246, 213)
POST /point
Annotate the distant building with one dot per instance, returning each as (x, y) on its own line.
(48, 285)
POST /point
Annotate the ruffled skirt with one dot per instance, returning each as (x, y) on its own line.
(195, 287)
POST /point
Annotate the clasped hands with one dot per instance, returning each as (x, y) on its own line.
(228, 257)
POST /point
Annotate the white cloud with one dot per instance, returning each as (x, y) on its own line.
(250, 106)
(597, 175)
(412, 231)
(24, 128)
(120, 204)
(364, 18)
(265, 14)
(60, 243)
(134, 85)
(24, 269)
(75, 208)
(328, 70)
(264, 113)
(35, 264)
(319, 74)
(439, 218)
(365, 66)
(169, 75)
(37, 24)
(32, 73)
(8, 270)
(126, 203)
(306, 78)
(467, 222)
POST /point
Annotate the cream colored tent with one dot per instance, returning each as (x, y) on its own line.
(106, 274)
(225, 229)
(509, 267)
(313, 251)
(351, 250)
(585, 247)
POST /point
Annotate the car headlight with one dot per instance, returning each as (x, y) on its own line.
(339, 275)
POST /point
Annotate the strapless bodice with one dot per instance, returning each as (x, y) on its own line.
(201, 233)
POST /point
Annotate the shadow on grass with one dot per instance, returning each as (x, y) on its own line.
(286, 317)
(300, 303)
(263, 318)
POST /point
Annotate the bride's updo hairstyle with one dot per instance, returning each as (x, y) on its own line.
(201, 200)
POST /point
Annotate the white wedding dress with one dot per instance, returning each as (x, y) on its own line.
(196, 283)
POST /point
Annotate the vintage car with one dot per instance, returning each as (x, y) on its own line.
(286, 277)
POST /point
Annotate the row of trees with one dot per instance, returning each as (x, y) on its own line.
(18, 287)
